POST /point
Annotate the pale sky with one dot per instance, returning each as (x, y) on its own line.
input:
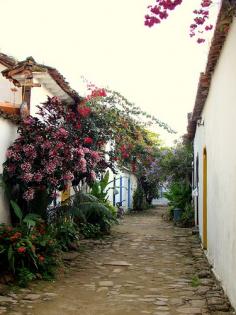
(106, 42)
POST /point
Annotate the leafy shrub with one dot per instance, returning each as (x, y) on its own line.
(179, 195)
(86, 208)
(89, 230)
(187, 218)
(99, 188)
(29, 249)
(111, 208)
(67, 234)
(139, 201)
(24, 276)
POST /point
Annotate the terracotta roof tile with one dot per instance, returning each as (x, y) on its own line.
(7, 60)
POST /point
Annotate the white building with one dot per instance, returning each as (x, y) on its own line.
(30, 83)
(212, 127)
(122, 187)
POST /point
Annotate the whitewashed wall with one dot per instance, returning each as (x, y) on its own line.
(38, 96)
(7, 135)
(218, 135)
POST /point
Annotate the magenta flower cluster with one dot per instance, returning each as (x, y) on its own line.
(52, 151)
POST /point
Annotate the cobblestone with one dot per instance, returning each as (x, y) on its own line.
(146, 266)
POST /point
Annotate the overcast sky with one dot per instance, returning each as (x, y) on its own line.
(106, 42)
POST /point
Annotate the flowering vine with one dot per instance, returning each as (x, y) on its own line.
(65, 145)
(59, 147)
(161, 9)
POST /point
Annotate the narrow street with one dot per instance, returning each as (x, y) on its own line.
(146, 266)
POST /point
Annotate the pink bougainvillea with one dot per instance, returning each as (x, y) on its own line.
(161, 9)
(52, 150)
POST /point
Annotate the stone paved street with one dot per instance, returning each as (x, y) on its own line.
(147, 266)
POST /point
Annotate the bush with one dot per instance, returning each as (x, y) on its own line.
(187, 218)
(90, 230)
(139, 201)
(67, 234)
(28, 252)
(179, 196)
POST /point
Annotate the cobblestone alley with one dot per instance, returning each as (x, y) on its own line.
(146, 266)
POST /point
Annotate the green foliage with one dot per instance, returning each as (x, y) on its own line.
(17, 210)
(150, 188)
(139, 201)
(98, 188)
(195, 281)
(86, 208)
(176, 163)
(179, 195)
(66, 233)
(30, 219)
(89, 230)
(112, 209)
(187, 218)
(28, 250)
(24, 276)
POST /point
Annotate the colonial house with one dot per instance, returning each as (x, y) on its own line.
(212, 127)
(23, 85)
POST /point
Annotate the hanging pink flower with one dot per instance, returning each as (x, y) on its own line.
(13, 155)
(98, 93)
(80, 152)
(38, 177)
(29, 151)
(29, 194)
(93, 175)
(27, 177)
(88, 140)
(62, 132)
(26, 167)
(84, 111)
(39, 139)
(68, 176)
(50, 167)
(96, 156)
(46, 145)
(86, 150)
(83, 162)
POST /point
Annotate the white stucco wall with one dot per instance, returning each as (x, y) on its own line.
(38, 96)
(7, 135)
(218, 135)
